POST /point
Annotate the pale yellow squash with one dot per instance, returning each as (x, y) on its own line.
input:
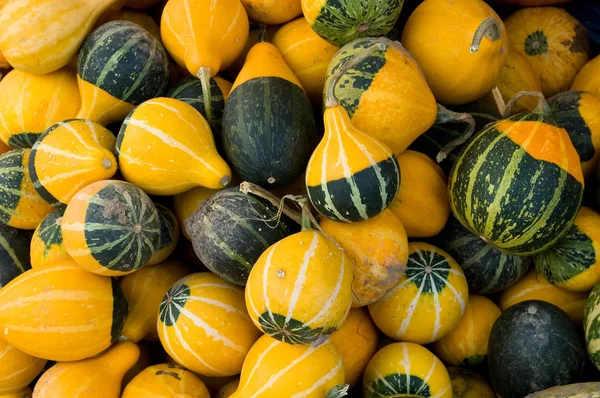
(18, 369)
(588, 78)
(166, 380)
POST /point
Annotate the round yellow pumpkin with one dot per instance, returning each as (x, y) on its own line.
(165, 380)
(18, 369)
(588, 78)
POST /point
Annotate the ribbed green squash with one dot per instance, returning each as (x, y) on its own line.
(591, 325)
(487, 269)
(231, 230)
(168, 237)
(47, 243)
(14, 253)
(518, 184)
(533, 346)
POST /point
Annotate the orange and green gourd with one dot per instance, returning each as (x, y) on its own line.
(70, 156)
(356, 341)
(467, 343)
(20, 205)
(554, 42)
(467, 383)
(42, 36)
(29, 104)
(182, 136)
(98, 377)
(351, 176)
(573, 264)
(274, 369)
(272, 12)
(14, 253)
(186, 203)
(168, 237)
(111, 228)
(461, 47)
(406, 369)
(61, 312)
(18, 369)
(307, 55)
(378, 247)
(204, 326)
(428, 301)
(588, 78)
(120, 65)
(47, 245)
(165, 380)
(300, 288)
(144, 291)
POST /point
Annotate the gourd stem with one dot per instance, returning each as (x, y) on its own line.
(306, 223)
(248, 187)
(204, 76)
(447, 116)
(489, 28)
(330, 99)
(542, 106)
(500, 104)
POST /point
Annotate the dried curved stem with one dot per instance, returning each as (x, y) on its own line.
(250, 188)
(542, 106)
(489, 28)
(445, 115)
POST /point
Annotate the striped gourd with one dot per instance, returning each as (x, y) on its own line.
(230, 231)
(269, 127)
(574, 262)
(278, 370)
(307, 55)
(69, 156)
(300, 288)
(168, 237)
(47, 244)
(467, 343)
(370, 90)
(427, 302)
(591, 324)
(18, 369)
(533, 286)
(29, 104)
(14, 253)
(144, 290)
(182, 137)
(186, 204)
(204, 326)
(20, 205)
(406, 369)
(340, 22)
(41, 36)
(468, 384)
(522, 212)
(378, 247)
(578, 112)
(165, 380)
(120, 65)
(486, 268)
(61, 312)
(111, 228)
(190, 91)
(98, 377)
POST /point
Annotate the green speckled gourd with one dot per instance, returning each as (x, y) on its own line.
(168, 237)
(14, 253)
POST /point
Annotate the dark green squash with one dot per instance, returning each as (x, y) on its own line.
(14, 253)
(168, 237)
(533, 346)
(232, 229)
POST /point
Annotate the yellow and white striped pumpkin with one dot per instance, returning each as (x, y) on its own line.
(18, 369)
(204, 326)
(166, 147)
(278, 370)
(300, 288)
(427, 302)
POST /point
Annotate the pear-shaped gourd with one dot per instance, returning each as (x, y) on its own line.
(120, 66)
(41, 36)
(351, 176)
(269, 129)
(166, 380)
(18, 369)
(98, 377)
(166, 147)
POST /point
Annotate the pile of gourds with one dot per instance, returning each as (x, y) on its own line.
(298, 198)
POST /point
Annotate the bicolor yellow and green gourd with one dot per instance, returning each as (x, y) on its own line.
(588, 78)
(165, 380)
(47, 245)
(18, 369)
(168, 237)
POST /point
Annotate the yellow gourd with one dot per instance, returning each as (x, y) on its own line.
(142, 363)
(98, 377)
(274, 369)
(272, 12)
(468, 384)
(144, 291)
(29, 104)
(182, 137)
(554, 42)
(47, 245)
(588, 78)
(378, 247)
(41, 36)
(460, 45)
(186, 203)
(356, 341)
(467, 343)
(18, 369)
(421, 203)
(165, 380)
(3, 62)
(307, 55)
(144, 20)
